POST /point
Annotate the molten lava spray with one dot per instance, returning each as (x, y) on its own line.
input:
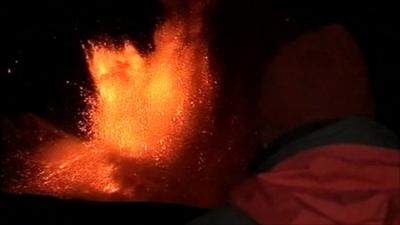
(145, 109)
(145, 103)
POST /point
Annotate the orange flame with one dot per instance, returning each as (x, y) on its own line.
(144, 101)
(145, 108)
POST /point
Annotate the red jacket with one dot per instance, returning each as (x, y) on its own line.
(345, 172)
(334, 184)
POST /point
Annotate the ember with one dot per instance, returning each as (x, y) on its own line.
(144, 109)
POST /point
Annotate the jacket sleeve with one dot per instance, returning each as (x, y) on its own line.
(345, 173)
(341, 172)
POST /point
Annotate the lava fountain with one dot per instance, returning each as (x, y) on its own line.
(146, 103)
(145, 108)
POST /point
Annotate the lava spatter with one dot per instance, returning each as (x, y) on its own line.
(144, 108)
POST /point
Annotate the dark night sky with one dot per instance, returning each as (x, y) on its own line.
(41, 44)
(41, 51)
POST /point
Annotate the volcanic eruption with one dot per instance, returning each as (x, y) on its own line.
(144, 109)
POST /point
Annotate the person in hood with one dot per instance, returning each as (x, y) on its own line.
(325, 160)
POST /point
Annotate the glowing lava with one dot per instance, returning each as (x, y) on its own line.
(144, 101)
(145, 108)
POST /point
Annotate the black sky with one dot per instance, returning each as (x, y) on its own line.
(42, 64)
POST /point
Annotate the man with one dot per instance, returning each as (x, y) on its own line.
(325, 161)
